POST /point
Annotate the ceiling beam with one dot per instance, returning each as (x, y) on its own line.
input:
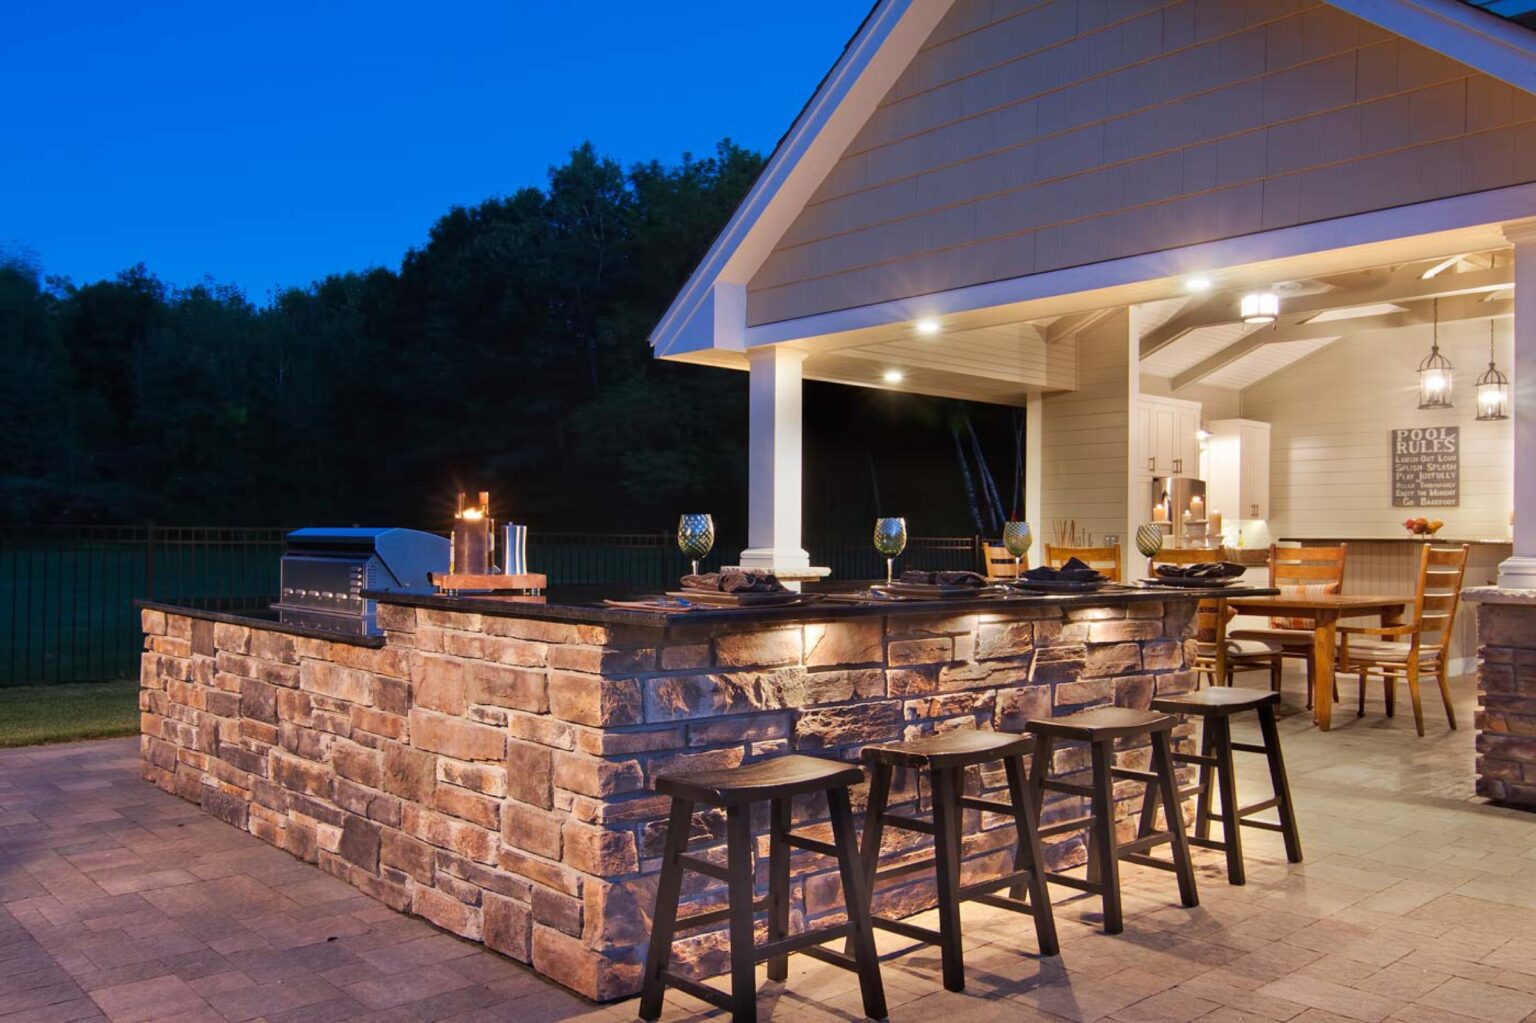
(1465, 307)
(1073, 324)
(1404, 284)
(1221, 360)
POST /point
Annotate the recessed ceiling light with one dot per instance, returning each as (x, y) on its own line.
(928, 327)
(1199, 282)
(893, 376)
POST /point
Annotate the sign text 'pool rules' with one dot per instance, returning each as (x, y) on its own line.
(1426, 467)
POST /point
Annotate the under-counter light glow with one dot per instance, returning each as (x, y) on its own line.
(1197, 283)
(1260, 307)
(893, 376)
(928, 327)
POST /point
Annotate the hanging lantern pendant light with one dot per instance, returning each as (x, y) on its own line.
(1492, 389)
(1435, 373)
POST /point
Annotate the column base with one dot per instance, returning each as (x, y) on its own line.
(764, 559)
(791, 567)
(1517, 573)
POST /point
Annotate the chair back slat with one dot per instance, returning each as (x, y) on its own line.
(1000, 564)
(1105, 559)
(1441, 570)
(1185, 556)
(1289, 566)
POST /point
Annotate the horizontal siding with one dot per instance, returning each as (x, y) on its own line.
(1085, 436)
(1330, 463)
(1027, 137)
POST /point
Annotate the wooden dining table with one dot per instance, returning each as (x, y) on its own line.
(1325, 610)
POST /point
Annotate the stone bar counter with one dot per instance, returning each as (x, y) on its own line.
(486, 763)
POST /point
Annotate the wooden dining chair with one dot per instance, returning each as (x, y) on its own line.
(999, 564)
(1242, 654)
(1423, 645)
(1297, 571)
(1105, 559)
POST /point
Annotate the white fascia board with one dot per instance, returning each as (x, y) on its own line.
(886, 44)
(1493, 207)
(1476, 38)
(718, 320)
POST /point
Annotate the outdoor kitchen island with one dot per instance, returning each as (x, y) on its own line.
(486, 765)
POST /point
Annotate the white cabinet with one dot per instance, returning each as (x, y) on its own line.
(1238, 455)
(1166, 437)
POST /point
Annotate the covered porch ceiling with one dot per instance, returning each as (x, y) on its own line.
(1006, 353)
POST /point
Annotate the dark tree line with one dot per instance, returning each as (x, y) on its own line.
(507, 353)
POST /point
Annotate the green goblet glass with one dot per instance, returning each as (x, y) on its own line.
(890, 540)
(1149, 540)
(1017, 538)
(695, 537)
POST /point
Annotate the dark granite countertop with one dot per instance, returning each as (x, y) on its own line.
(584, 605)
(260, 618)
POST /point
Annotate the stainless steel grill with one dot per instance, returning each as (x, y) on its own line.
(326, 571)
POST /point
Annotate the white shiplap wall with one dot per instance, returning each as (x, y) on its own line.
(1330, 463)
(1085, 436)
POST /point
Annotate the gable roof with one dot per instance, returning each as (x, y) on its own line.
(710, 311)
(1522, 12)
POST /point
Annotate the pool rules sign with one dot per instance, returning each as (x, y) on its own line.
(1426, 467)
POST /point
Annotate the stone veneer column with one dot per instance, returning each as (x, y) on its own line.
(491, 774)
(1506, 694)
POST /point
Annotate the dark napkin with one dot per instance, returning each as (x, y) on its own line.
(969, 580)
(1073, 571)
(734, 582)
(1202, 570)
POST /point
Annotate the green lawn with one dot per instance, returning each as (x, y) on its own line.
(30, 715)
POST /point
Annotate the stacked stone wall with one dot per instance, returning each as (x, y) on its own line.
(491, 774)
(1506, 701)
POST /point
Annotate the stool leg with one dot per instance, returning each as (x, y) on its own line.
(1146, 822)
(669, 888)
(946, 847)
(1203, 796)
(874, 833)
(1031, 857)
(1231, 823)
(1183, 867)
(864, 955)
(778, 885)
(1103, 856)
(1281, 785)
(874, 825)
(740, 891)
(1039, 770)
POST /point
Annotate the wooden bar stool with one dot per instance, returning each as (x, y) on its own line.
(775, 782)
(1215, 708)
(944, 758)
(1100, 727)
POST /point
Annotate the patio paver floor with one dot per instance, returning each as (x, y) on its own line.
(120, 902)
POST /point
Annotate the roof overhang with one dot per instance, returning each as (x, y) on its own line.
(707, 322)
(711, 309)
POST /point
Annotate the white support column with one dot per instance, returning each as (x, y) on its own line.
(1519, 571)
(774, 462)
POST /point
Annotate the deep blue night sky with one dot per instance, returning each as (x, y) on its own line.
(270, 144)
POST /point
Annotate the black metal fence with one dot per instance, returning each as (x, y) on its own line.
(67, 592)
